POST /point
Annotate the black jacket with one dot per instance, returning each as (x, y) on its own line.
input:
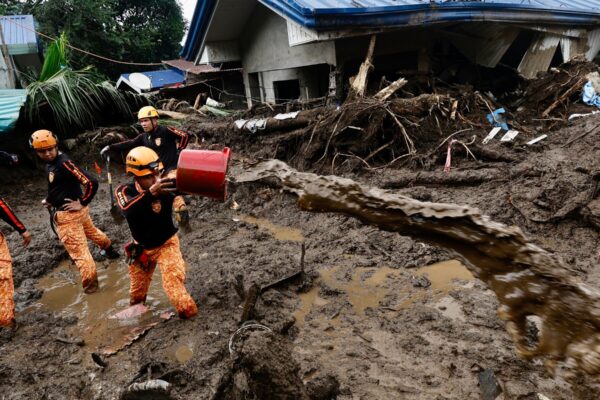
(65, 180)
(8, 216)
(150, 218)
(167, 142)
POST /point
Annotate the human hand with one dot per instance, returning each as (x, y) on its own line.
(26, 238)
(72, 205)
(163, 186)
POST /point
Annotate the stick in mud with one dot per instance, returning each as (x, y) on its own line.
(528, 280)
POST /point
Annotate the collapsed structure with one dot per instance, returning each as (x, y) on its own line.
(308, 48)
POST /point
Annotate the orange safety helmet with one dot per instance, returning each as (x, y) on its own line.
(43, 139)
(143, 161)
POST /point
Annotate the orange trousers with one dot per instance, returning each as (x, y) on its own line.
(7, 289)
(74, 228)
(178, 202)
(172, 268)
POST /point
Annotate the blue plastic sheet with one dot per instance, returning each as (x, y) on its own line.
(590, 97)
(497, 119)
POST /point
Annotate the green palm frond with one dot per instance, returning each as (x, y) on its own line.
(75, 98)
(55, 58)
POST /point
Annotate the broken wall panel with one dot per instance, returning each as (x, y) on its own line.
(539, 55)
(571, 47)
(593, 44)
(484, 44)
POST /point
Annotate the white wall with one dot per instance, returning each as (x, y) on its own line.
(265, 50)
(5, 74)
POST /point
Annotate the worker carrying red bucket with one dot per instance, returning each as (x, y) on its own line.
(147, 204)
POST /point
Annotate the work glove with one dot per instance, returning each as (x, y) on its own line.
(104, 151)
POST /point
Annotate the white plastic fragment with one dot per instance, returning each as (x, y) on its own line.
(491, 135)
(542, 397)
(214, 103)
(240, 123)
(573, 116)
(154, 385)
(290, 115)
(537, 139)
(509, 136)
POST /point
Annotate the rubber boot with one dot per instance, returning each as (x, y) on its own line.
(111, 253)
(13, 326)
(183, 219)
(92, 287)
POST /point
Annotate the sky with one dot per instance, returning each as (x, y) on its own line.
(188, 11)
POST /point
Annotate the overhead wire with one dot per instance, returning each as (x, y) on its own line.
(89, 53)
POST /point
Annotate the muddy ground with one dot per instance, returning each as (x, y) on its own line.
(374, 316)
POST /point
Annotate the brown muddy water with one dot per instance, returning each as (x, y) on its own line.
(371, 291)
(528, 280)
(103, 323)
(278, 232)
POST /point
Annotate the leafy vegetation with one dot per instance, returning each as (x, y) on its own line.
(77, 99)
(144, 31)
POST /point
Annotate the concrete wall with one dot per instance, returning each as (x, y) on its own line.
(265, 50)
(6, 75)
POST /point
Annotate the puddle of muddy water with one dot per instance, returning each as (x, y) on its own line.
(366, 291)
(63, 295)
(279, 232)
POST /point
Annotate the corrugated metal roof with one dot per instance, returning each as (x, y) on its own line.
(19, 34)
(342, 14)
(11, 101)
(337, 6)
(158, 79)
(202, 69)
(336, 14)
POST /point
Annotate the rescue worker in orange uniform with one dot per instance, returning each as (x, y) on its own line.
(147, 204)
(167, 142)
(7, 288)
(69, 205)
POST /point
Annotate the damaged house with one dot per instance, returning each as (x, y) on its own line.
(303, 49)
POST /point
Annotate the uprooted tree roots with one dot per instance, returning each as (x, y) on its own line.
(374, 134)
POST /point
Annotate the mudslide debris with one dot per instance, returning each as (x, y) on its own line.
(528, 280)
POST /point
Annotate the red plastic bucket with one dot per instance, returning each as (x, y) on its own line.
(203, 172)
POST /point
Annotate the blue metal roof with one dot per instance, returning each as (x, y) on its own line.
(11, 101)
(337, 14)
(162, 78)
(340, 14)
(19, 34)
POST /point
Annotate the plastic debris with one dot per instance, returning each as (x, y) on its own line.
(537, 139)
(154, 385)
(131, 312)
(491, 135)
(291, 115)
(214, 103)
(509, 136)
(574, 116)
(252, 125)
(497, 119)
(591, 90)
